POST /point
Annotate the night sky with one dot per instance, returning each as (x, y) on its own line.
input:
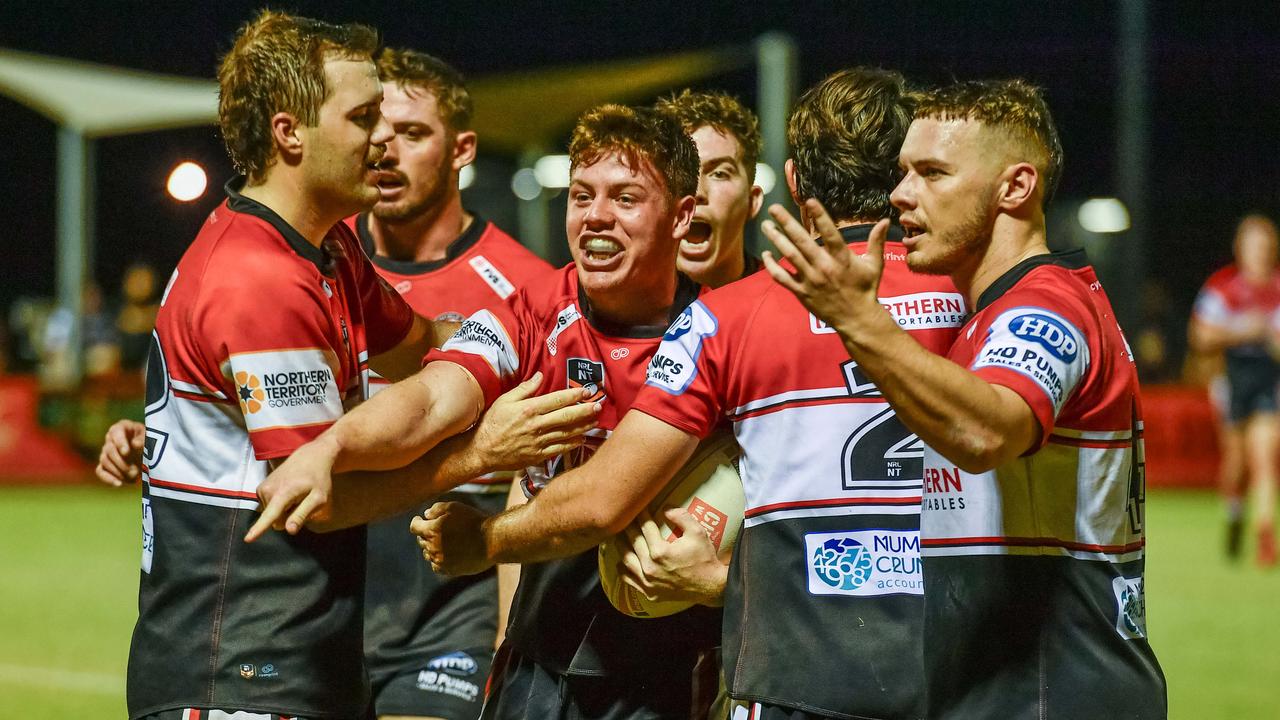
(1215, 72)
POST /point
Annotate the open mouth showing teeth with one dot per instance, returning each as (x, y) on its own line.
(699, 232)
(599, 248)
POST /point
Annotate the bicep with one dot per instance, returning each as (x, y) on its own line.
(1016, 421)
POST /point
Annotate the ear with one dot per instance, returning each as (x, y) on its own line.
(1019, 186)
(464, 149)
(757, 201)
(789, 169)
(287, 133)
(683, 216)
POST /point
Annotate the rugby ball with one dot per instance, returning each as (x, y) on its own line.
(709, 487)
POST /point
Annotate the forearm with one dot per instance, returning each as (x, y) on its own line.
(531, 532)
(405, 420)
(955, 412)
(405, 358)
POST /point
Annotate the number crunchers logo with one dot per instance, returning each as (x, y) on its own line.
(864, 563)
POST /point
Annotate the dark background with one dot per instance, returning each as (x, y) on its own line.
(1213, 78)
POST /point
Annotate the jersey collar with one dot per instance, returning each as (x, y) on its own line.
(686, 292)
(241, 204)
(456, 249)
(862, 232)
(1073, 259)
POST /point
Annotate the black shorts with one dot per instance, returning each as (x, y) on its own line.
(521, 689)
(449, 686)
(1251, 383)
(759, 711)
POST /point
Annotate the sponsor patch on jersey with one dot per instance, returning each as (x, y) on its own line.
(458, 663)
(564, 319)
(1131, 607)
(492, 276)
(482, 334)
(675, 365)
(586, 374)
(922, 311)
(285, 388)
(446, 684)
(864, 563)
(1039, 344)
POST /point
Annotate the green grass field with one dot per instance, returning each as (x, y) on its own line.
(69, 569)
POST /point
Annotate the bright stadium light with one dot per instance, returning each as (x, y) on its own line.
(1103, 215)
(766, 178)
(466, 176)
(552, 171)
(525, 184)
(187, 182)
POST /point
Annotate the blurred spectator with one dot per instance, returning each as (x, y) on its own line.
(1234, 315)
(137, 316)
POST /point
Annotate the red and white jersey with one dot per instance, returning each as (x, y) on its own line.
(560, 616)
(481, 269)
(832, 481)
(1034, 570)
(1229, 300)
(261, 342)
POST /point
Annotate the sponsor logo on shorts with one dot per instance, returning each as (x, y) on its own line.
(459, 663)
(148, 536)
(249, 671)
(444, 683)
(1131, 607)
(864, 563)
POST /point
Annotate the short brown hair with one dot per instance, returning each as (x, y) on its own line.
(845, 134)
(722, 112)
(638, 133)
(277, 65)
(410, 68)
(1014, 106)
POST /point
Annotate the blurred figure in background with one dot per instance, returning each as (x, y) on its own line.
(1235, 315)
(137, 316)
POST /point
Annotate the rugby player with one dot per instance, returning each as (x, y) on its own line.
(830, 475)
(595, 324)
(235, 384)
(1032, 523)
(1233, 315)
(728, 138)
(429, 640)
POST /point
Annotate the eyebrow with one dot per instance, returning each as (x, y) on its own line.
(711, 162)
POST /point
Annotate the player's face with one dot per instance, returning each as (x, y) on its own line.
(726, 201)
(417, 172)
(622, 227)
(947, 195)
(1256, 247)
(340, 152)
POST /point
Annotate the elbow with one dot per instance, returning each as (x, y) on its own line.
(604, 522)
(979, 450)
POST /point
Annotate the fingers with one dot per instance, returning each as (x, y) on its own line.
(524, 390)
(649, 528)
(828, 233)
(578, 415)
(271, 513)
(437, 510)
(105, 476)
(875, 246)
(419, 526)
(780, 275)
(560, 399)
(782, 232)
(684, 522)
(313, 503)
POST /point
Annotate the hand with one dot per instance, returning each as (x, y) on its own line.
(301, 486)
(451, 536)
(519, 431)
(685, 568)
(832, 281)
(121, 458)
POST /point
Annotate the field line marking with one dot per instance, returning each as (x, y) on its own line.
(59, 679)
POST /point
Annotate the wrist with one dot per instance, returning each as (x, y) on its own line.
(864, 320)
(327, 449)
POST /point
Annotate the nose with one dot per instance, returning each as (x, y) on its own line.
(902, 197)
(382, 132)
(701, 196)
(598, 215)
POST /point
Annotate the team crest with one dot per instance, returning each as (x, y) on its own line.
(248, 671)
(587, 374)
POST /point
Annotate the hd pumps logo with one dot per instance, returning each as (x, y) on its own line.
(864, 563)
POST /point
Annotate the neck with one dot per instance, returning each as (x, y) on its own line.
(1011, 243)
(841, 224)
(726, 272)
(290, 199)
(635, 307)
(422, 238)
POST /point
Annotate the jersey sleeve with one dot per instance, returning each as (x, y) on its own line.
(488, 345)
(1039, 354)
(680, 386)
(1211, 307)
(387, 316)
(282, 365)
